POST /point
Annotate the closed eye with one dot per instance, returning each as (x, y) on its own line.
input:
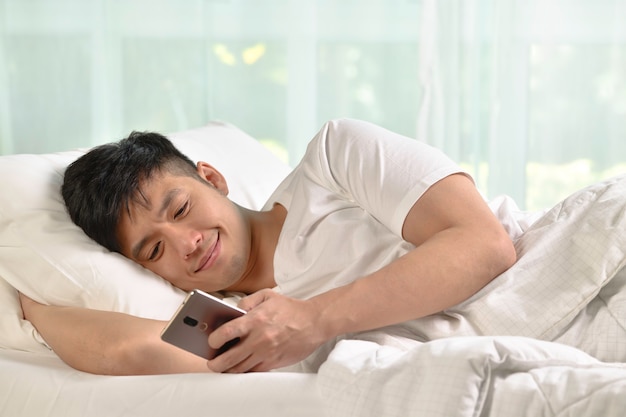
(155, 252)
(181, 210)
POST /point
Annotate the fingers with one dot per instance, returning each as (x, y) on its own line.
(238, 328)
(244, 356)
(253, 300)
(226, 332)
(277, 331)
(239, 359)
(233, 361)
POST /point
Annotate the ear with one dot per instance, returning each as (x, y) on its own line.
(212, 176)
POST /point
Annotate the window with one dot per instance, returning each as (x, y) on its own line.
(530, 96)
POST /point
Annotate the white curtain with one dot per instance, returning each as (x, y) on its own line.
(529, 95)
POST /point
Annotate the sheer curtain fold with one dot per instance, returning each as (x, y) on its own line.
(529, 95)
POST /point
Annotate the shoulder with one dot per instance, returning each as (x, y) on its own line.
(348, 141)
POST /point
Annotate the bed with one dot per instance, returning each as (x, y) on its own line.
(547, 337)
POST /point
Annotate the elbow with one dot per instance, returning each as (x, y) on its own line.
(111, 361)
(136, 357)
(151, 356)
(502, 253)
(119, 358)
(105, 363)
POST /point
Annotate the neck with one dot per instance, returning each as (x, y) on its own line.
(265, 227)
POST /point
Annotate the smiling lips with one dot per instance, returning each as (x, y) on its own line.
(209, 259)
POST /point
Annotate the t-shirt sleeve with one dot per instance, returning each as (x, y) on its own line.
(383, 172)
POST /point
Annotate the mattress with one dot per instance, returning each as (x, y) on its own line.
(33, 384)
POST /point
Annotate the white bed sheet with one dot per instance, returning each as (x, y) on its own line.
(40, 385)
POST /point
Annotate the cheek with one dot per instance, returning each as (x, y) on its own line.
(166, 269)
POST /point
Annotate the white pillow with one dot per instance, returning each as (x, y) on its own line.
(47, 257)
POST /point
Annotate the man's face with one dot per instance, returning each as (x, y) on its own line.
(188, 232)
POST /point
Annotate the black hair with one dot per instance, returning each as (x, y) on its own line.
(100, 184)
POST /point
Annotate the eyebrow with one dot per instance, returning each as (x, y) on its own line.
(167, 201)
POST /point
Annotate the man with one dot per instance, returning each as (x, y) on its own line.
(370, 229)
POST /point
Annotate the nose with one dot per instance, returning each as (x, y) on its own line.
(187, 241)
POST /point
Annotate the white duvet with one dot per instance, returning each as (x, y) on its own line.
(471, 376)
(546, 338)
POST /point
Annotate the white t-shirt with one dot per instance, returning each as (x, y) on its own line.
(346, 204)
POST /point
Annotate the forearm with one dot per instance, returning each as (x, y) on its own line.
(110, 343)
(444, 271)
(279, 330)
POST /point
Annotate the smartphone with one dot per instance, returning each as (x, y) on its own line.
(198, 315)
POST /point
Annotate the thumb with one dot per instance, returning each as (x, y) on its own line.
(253, 300)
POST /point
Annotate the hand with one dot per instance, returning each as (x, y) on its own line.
(277, 331)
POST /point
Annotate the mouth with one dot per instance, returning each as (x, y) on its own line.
(210, 257)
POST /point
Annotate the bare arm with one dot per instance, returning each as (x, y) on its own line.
(104, 342)
(460, 247)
